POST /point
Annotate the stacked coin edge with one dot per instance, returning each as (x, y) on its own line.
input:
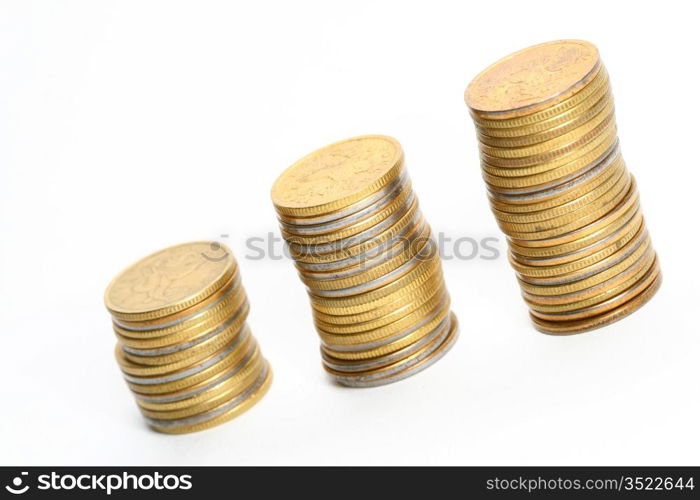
(561, 192)
(374, 279)
(195, 364)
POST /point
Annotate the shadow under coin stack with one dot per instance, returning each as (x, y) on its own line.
(365, 253)
(184, 347)
(559, 187)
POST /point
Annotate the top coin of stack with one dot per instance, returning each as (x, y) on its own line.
(559, 187)
(365, 253)
(183, 344)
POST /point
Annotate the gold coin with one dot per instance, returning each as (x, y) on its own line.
(435, 308)
(554, 127)
(581, 281)
(559, 187)
(548, 117)
(533, 78)
(357, 366)
(576, 272)
(395, 343)
(214, 397)
(408, 366)
(555, 171)
(602, 307)
(234, 310)
(169, 281)
(592, 323)
(603, 134)
(361, 243)
(593, 295)
(580, 199)
(226, 412)
(408, 296)
(529, 272)
(366, 203)
(391, 367)
(542, 151)
(190, 351)
(135, 368)
(424, 271)
(559, 195)
(566, 224)
(337, 175)
(421, 245)
(328, 223)
(185, 328)
(356, 264)
(426, 301)
(398, 205)
(197, 392)
(601, 240)
(631, 202)
(363, 249)
(194, 374)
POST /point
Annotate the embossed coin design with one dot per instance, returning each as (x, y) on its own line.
(367, 257)
(183, 344)
(559, 187)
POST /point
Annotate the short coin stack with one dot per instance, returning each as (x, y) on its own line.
(183, 344)
(366, 255)
(559, 187)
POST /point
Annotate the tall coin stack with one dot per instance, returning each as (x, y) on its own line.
(559, 187)
(184, 347)
(365, 253)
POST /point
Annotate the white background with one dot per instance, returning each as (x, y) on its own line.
(127, 126)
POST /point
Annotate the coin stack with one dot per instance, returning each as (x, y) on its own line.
(184, 347)
(559, 187)
(365, 253)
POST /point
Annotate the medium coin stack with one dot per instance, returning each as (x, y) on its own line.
(184, 347)
(559, 187)
(365, 253)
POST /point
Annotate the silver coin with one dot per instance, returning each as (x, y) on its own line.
(365, 202)
(382, 280)
(575, 255)
(404, 370)
(592, 270)
(186, 395)
(195, 369)
(186, 345)
(366, 346)
(576, 296)
(561, 189)
(370, 263)
(361, 257)
(204, 417)
(339, 245)
(601, 307)
(341, 223)
(552, 184)
(364, 365)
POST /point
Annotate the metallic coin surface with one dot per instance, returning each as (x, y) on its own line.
(169, 281)
(183, 344)
(559, 187)
(533, 77)
(338, 172)
(366, 255)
